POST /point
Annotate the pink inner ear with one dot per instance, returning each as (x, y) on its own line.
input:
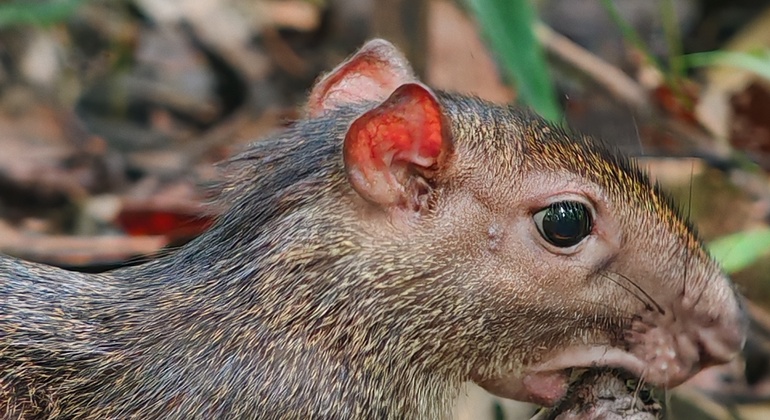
(371, 74)
(405, 131)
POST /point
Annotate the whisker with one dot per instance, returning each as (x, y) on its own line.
(689, 213)
(610, 312)
(635, 395)
(610, 308)
(643, 375)
(639, 386)
(651, 301)
(627, 289)
(667, 413)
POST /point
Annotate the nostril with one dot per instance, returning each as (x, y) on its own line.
(706, 358)
(757, 362)
(721, 341)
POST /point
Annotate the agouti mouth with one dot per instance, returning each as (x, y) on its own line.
(547, 383)
(660, 359)
(595, 357)
(664, 349)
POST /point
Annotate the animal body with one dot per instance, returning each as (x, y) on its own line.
(377, 254)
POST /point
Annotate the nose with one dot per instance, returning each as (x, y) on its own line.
(694, 333)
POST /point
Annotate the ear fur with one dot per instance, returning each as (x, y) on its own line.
(392, 151)
(371, 74)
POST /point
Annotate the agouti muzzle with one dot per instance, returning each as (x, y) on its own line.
(392, 245)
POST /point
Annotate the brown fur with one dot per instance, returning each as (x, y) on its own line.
(306, 301)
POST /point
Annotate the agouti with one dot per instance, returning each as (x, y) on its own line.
(391, 246)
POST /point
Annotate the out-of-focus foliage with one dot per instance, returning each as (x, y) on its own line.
(740, 250)
(629, 33)
(757, 62)
(25, 12)
(509, 27)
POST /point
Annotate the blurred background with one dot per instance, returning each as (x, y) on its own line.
(113, 114)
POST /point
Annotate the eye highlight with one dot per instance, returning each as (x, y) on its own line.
(564, 223)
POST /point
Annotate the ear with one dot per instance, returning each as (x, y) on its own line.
(392, 151)
(371, 74)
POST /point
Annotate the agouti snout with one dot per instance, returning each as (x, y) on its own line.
(392, 245)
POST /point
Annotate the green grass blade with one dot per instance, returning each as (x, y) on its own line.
(673, 40)
(757, 62)
(509, 26)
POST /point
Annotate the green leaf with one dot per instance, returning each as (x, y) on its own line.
(36, 13)
(740, 250)
(757, 61)
(509, 26)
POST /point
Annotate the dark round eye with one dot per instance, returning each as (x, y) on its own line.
(564, 224)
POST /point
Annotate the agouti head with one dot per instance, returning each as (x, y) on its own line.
(434, 234)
